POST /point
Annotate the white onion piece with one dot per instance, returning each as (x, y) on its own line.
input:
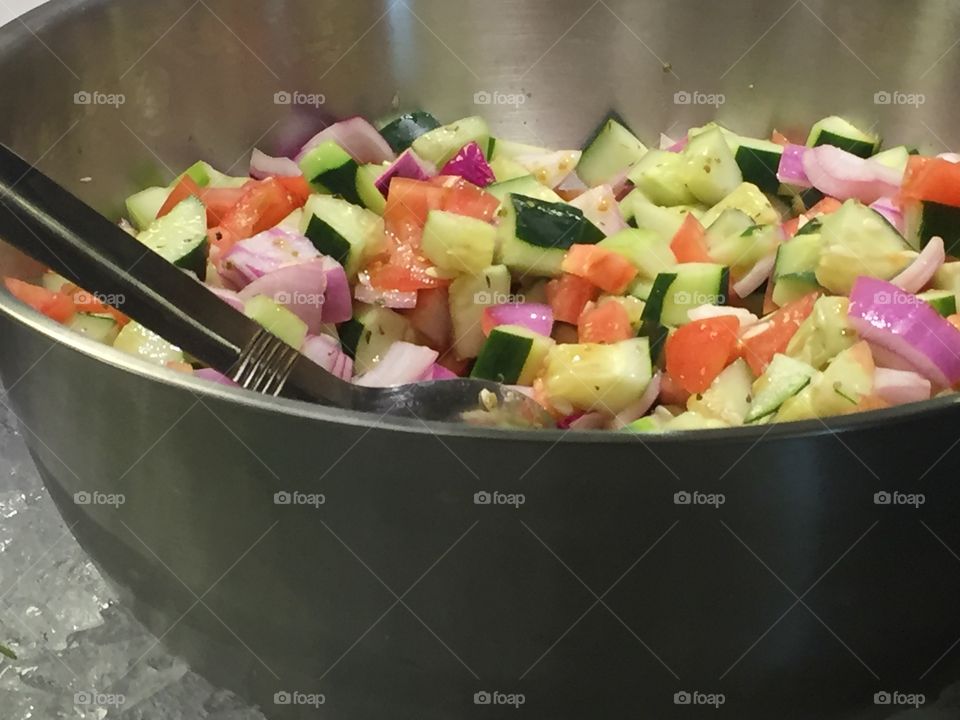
(636, 410)
(358, 137)
(600, 207)
(758, 275)
(950, 157)
(403, 363)
(705, 312)
(900, 386)
(921, 270)
(263, 166)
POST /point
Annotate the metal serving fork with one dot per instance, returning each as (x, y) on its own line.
(50, 224)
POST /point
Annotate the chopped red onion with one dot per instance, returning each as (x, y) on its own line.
(553, 168)
(666, 142)
(358, 137)
(844, 175)
(471, 165)
(403, 363)
(891, 210)
(791, 169)
(326, 352)
(533, 316)
(214, 376)
(263, 166)
(705, 312)
(228, 296)
(590, 421)
(600, 207)
(900, 386)
(757, 276)
(366, 293)
(950, 157)
(921, 271)
(638, 409)
(408, 165)
(263, 253)
(299, 288)
(338, 302)
(439, 372)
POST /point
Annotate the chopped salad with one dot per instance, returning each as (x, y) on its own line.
(715, 280)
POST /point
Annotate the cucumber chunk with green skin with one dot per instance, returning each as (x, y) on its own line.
(895, 157)
(640, 212)
(748, 198)
(943, 301)
(712, 172)
(199, 172)
(927, 219)
(276, 319)
(741, 252)
(728, 397)
(824, 334)
(370, 197)
(505, 169)
(759, 161)
(370, 334)
(469, 295)
(794, 272)
(347, 233)
(96, 327)
(512, 355)
(441, 144)
(783, 378)
(145, 344)
(525, 185)
(840, 133)
(330, 168)
(458, 243)
(534, 235)
(656, 335)
(645, 250)
(690, 285)
(598, 377)
(401, 132)
(661, 177)
(142, 207)
(180, 236)
(612, 149)
(501, 149)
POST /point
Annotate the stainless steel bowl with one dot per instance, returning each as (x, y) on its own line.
(404, 594)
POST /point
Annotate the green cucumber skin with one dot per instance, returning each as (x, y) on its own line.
(860, 148)
(328, 241)
(553, 225)
(654, 306)
(401, 133)
(502, 358)
(341, 181)
(943, 221)
(759, 167)
(657, 335)
(611, 115)
(350, 334)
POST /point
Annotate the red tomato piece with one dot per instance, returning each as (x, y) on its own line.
(56, 306)
(431, 318)
(465, 198)
(933, 179)
(689, 244)
(181, 191)
(824, 207)
(762, 341)
(298, 187)
(568, 295)
(604, 268)
(219, 201)
(607, 322)
(699, 351)
(779, 138)
(261, 206)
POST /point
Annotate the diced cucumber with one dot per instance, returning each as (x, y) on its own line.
(442, 143)
(797, 407)
(847, 380)
(633, 305)
(330, 168)
(401, 132)
(180, 236)
(759, 161)
(534, 235)
(741, 252)
(661, 177)
(598, 377)
(748, 198)
(370, 334)
(525, 185)
(370, 197)
(292, 221)
(783, 378)
(611, 150)
(836, 131)
(859, 241)
(665, 221)
(688, 286)
(505, 169)
(947, 277)
(96, 327)
(728, 397)
(656, 335)
(943, 301)
(926, 220)
(645, 249)
(347, 233)
(552, 169)
(692, 421)
(794, 273)
(458, 243)
(469, 295)
(712, 172)
(145, 344)
(276, 319)
(53, 281)
(648, 424)
(895, 157)
(824, 334)
(142, 207)
(510, 150)
(199, 172)
(512, 355)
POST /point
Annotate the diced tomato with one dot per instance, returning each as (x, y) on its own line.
(431, 318)
(769, 305)
(298, 187)
(607, 322)
(779, 138)
(87, 302)
(699, 351)
(689, 244)
(954, 320)
(933, 179)
(181, 191)
(824, 207)
(569, 194)
(791, 226)
(219, 201)
(762, 341)
(568, 295)
(54, 305)
(604, 268)
(464, 198)
(261, 206)
(670, 391)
